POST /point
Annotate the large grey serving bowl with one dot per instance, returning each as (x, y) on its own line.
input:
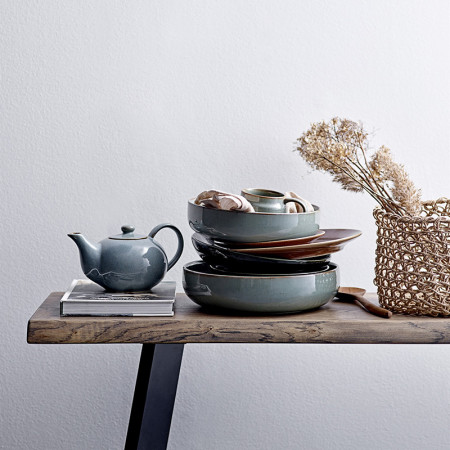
(272, 294)
(237, 226)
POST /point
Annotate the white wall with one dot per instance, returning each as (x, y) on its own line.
(117, 112)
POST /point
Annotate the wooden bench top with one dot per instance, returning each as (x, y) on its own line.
(336, 322)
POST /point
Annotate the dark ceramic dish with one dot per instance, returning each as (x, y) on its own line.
(226, 259)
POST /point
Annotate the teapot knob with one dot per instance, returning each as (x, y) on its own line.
(127, 229)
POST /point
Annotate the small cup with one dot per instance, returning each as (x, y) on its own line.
(265, 200)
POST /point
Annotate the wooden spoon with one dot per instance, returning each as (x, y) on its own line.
(356, 295)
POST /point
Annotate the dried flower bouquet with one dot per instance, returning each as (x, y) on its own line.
(341, 147)
(412, 266)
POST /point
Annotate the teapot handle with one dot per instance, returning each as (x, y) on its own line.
(180, 241)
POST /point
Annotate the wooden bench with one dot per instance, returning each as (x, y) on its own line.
(163, 340)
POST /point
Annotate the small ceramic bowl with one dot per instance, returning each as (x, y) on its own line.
(237, 226)
(270, 294)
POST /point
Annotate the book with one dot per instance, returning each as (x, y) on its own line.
(86, 298)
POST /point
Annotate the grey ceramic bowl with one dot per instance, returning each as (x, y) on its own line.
(239, 226)
(272, 294)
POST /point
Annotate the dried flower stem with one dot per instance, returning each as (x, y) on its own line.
(340, 147)
(379, 198)
(381, 194)
(380, 187)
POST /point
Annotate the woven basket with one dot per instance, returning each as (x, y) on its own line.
(412, 271)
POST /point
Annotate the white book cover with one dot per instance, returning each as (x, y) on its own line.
(85, 297)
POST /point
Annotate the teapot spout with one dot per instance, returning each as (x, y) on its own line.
(89, 253)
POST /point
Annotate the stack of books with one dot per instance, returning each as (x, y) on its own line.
(86, 298)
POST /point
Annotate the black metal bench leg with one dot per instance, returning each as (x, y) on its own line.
(154, 397)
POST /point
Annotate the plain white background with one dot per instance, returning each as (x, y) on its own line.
(117, 112)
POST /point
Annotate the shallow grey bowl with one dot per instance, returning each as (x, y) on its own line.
(273, 294)
(239, 226)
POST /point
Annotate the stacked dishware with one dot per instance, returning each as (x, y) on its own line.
(262, 262)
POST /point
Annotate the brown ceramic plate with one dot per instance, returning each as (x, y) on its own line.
(332, 241)
(281, 243)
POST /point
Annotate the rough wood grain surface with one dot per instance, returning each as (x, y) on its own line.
(336, 322)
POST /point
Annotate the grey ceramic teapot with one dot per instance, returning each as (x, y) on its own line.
(127, 261)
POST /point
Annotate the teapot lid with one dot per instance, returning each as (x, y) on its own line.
(128, 233)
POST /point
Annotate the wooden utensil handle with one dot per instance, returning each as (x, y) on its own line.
(374, 309)
(369, 306)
